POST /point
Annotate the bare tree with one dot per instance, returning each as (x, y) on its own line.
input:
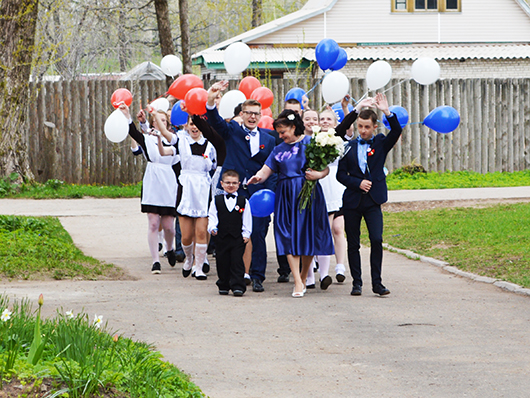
(257, 11)
(18, 21)
(185, 36)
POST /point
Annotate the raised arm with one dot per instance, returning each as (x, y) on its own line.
(349, 118)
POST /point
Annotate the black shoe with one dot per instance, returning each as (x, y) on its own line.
(312, 286)
(283, 278)
(180, 256)
(248, 281)
(223, 292)
(324, 283)
(206, 268)
(380, 290)
(186, 272)
(357, 290)
(257, 286)
(340, 278)
(238, 293)
(155, 269)
(160, 246)
(172, 257)
(201, 277)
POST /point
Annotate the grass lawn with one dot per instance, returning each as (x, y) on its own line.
(40, 248)
(492, 241)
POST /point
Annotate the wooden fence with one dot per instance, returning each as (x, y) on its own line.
(66, 119)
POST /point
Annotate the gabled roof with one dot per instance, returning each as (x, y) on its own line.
(145, 71)
(309, 10)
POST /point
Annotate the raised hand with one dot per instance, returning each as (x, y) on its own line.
(381, 103)
(125, 110)
(214, 91)
(365, 103)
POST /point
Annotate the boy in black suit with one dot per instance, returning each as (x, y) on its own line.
(230, 221)
(361, 171)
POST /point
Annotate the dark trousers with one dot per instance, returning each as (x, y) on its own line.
(229, 263)
(373, 217)
(260, 227)
(178, 236)
(283, 265)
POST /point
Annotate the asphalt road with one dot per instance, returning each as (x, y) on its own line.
(435, 335)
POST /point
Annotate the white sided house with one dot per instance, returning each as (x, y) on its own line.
(468, 38)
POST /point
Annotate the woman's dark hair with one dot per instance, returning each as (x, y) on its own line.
(290, 118)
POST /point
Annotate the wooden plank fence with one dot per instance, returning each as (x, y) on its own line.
(66, 139)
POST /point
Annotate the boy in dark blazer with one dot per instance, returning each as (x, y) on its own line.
(361, 171)
(247, 148)
(230, 221)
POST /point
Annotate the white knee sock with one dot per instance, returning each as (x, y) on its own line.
(310, 274)
(340, 269)
(188, 251)
(200, 255)
(323, 266)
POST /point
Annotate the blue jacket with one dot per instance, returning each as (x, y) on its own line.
(350, 174)
(238, 151)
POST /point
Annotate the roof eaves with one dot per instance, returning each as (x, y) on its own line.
(524, 5)
(270, 27)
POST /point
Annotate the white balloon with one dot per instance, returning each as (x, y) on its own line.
(425, 71)
(229, 101)
(171, 65)
(160, 104)
(116, 126)
(237, 58)
(378, 75)
(335, 86)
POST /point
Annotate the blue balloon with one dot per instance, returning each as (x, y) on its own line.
(296, 93)
(342, 59)
(443, 119)
(327, 52)
(178, 116)
(262, 203)
(337, 108)
(400, 112)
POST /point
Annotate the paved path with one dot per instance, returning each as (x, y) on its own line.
(436, 335)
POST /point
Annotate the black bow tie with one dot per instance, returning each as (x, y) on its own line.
(363, 142)
(230, 195)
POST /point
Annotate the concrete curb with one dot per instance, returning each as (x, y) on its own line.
(511, 287)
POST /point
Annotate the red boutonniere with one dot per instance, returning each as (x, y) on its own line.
(241, 210)
(371, 151)
(205, 156)
(262, 146)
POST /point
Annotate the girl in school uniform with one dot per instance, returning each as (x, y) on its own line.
(159, 188)
(197, 159)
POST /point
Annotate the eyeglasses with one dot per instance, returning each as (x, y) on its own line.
(230, 183)
(250, 113)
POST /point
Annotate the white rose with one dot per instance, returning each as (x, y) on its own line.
(315, 129)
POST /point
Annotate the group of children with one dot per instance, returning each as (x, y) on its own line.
(178, 182)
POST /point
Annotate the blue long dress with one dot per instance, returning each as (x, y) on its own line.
(298, 233)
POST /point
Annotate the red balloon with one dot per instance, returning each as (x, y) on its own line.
(196, 100)
(121, 95)
(180, 87)
(264, 96)
(266, 122)
(248, 85)
(266, 112)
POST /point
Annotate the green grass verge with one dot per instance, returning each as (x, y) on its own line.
(39, 247)
(492, 241)
(78, 357)
(56, 189)
(458, 179)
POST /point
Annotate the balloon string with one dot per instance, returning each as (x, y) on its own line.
(315, 86)
(397, 84)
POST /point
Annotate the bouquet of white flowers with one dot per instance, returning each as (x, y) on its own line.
(322, 150)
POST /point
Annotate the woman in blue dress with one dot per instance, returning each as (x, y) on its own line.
(298, 234)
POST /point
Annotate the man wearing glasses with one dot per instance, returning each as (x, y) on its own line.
(247, 148)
